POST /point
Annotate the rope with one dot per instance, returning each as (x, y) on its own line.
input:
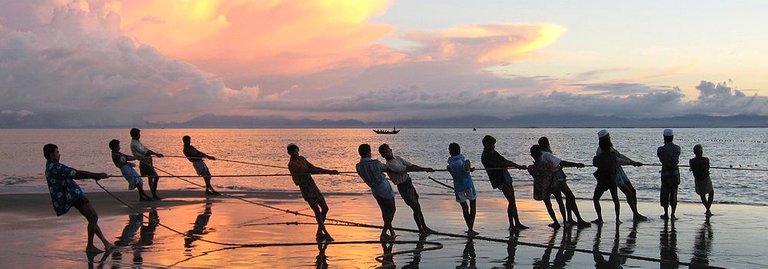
(231, 161)
(357, 224)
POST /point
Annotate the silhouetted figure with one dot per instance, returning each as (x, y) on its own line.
(372, 173)
(65, 193)
(570, 199)
(622, 181)
(463, 187)
(700, 168)
(301, 173)
(196, 157)
(123, 163)
(669, 156)
(496, 166)
(144, 155)
(397, 170)
(607, 165)
(668, 246)
(544, 185)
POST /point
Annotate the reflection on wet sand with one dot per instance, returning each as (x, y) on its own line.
(146, 236)
(414, 264)
(543, 262)
(509, 261)
(702, 245)
(321, 261)
(468, 256)
(668, 246)
(199, 228)
(614, 258)
(387, 259)
(567, 247)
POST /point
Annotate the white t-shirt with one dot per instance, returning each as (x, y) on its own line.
(396, 171)
(552, 158)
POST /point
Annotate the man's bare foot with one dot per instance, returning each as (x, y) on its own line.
(598, 221)
(583, 224)
(157, 198)
(708, 213)
(521, 227)
(664, 216)
(555, 225)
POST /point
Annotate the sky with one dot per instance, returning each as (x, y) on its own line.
(117, 62)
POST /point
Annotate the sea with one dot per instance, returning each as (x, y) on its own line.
(255, 159)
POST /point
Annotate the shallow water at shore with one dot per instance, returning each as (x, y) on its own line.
(35, 238)
(22, 166)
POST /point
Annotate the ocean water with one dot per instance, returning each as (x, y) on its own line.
(22, 165)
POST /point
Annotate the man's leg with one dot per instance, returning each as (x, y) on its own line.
(93, 227)
(596, 201)
(514, 219)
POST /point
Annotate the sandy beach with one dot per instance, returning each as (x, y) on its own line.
(35, 238)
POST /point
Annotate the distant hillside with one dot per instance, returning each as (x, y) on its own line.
(535, 121)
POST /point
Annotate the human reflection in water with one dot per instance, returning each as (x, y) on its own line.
(614, 259)
(126, 237)
(544, 261)
(387, 259)
(509, 262)
(91, 256)
(630, 243)
(199, 227)
(702, 246)
(414, 264)
(468, 257)
(321, 261)
(668, 246)
(146, 234)
(567, 247)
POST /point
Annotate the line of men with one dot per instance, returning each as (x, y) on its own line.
(549, 180)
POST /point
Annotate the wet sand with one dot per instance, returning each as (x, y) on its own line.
(33, 237)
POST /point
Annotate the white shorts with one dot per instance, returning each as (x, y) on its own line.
(468, 194)
(200, 168)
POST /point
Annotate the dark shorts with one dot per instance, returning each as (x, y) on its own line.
(311, 193)
(408, 192)
(604, 186)
(147, 170)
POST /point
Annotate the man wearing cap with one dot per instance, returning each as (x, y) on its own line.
(301, 173)
(669, 156)
(622, 181)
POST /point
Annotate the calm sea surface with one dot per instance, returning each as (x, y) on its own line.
(22, 165)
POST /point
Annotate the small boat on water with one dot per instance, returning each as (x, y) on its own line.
(382, 131)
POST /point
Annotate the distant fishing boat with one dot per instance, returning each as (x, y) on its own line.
(382, 131)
